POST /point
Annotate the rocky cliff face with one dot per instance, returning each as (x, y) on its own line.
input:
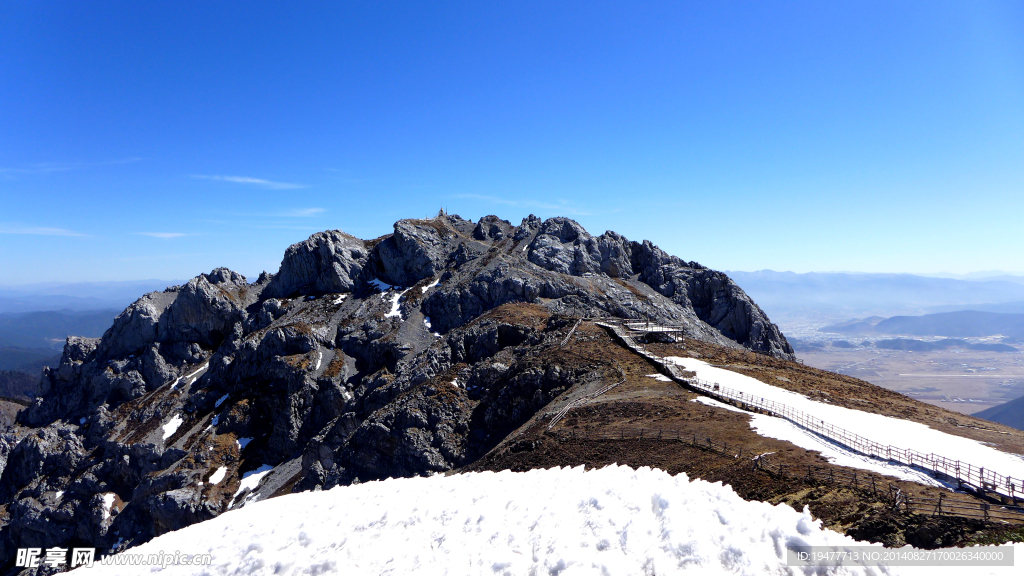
(411, 354)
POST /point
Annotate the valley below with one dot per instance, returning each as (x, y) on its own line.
(956, 377)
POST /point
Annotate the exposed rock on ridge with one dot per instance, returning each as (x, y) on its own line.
(327, 262)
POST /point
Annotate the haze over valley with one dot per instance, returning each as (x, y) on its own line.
(952, 342)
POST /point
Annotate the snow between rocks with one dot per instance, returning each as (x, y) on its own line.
(172, 426)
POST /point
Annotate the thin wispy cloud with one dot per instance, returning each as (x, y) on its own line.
(560, 207)
(269, 184)
(302, 212)
(286, 227)
(49, 167)
(164, 235)
(38, 231)
(270, 217)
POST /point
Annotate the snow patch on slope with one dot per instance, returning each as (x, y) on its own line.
(250, 480)
(108, 503)
(217, 476)
(781, 429)
(882, 429)
(190, 378)
(426, 322)
(395, 310)
(172, 426)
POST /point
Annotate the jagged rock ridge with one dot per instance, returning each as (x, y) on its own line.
(409, 354)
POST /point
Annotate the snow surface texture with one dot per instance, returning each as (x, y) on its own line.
(612, 521)
(881, 429)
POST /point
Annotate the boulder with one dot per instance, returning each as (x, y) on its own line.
(327, 262)
(416, 250)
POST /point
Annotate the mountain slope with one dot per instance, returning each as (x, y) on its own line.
(961, 324)
(406, 355)
(1009, 413)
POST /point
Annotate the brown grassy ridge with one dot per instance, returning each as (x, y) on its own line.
(643, 401)
(846, 391)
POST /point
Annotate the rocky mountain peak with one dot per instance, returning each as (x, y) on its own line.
(413, 353)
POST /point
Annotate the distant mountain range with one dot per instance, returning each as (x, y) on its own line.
(79, 296)
(961, 324)
(828, 295)
(926, 346)
(31, 340)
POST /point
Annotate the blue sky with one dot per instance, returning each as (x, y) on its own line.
(160, 140)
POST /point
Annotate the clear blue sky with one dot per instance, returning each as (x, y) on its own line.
(162, 139)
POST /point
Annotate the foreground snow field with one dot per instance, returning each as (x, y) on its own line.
(613, 521)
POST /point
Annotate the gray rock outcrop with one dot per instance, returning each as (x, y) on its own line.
(327, 262)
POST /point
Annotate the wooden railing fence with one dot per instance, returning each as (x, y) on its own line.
(967, 476)
(950, 505)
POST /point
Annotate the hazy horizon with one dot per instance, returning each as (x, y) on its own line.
(251, 276)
